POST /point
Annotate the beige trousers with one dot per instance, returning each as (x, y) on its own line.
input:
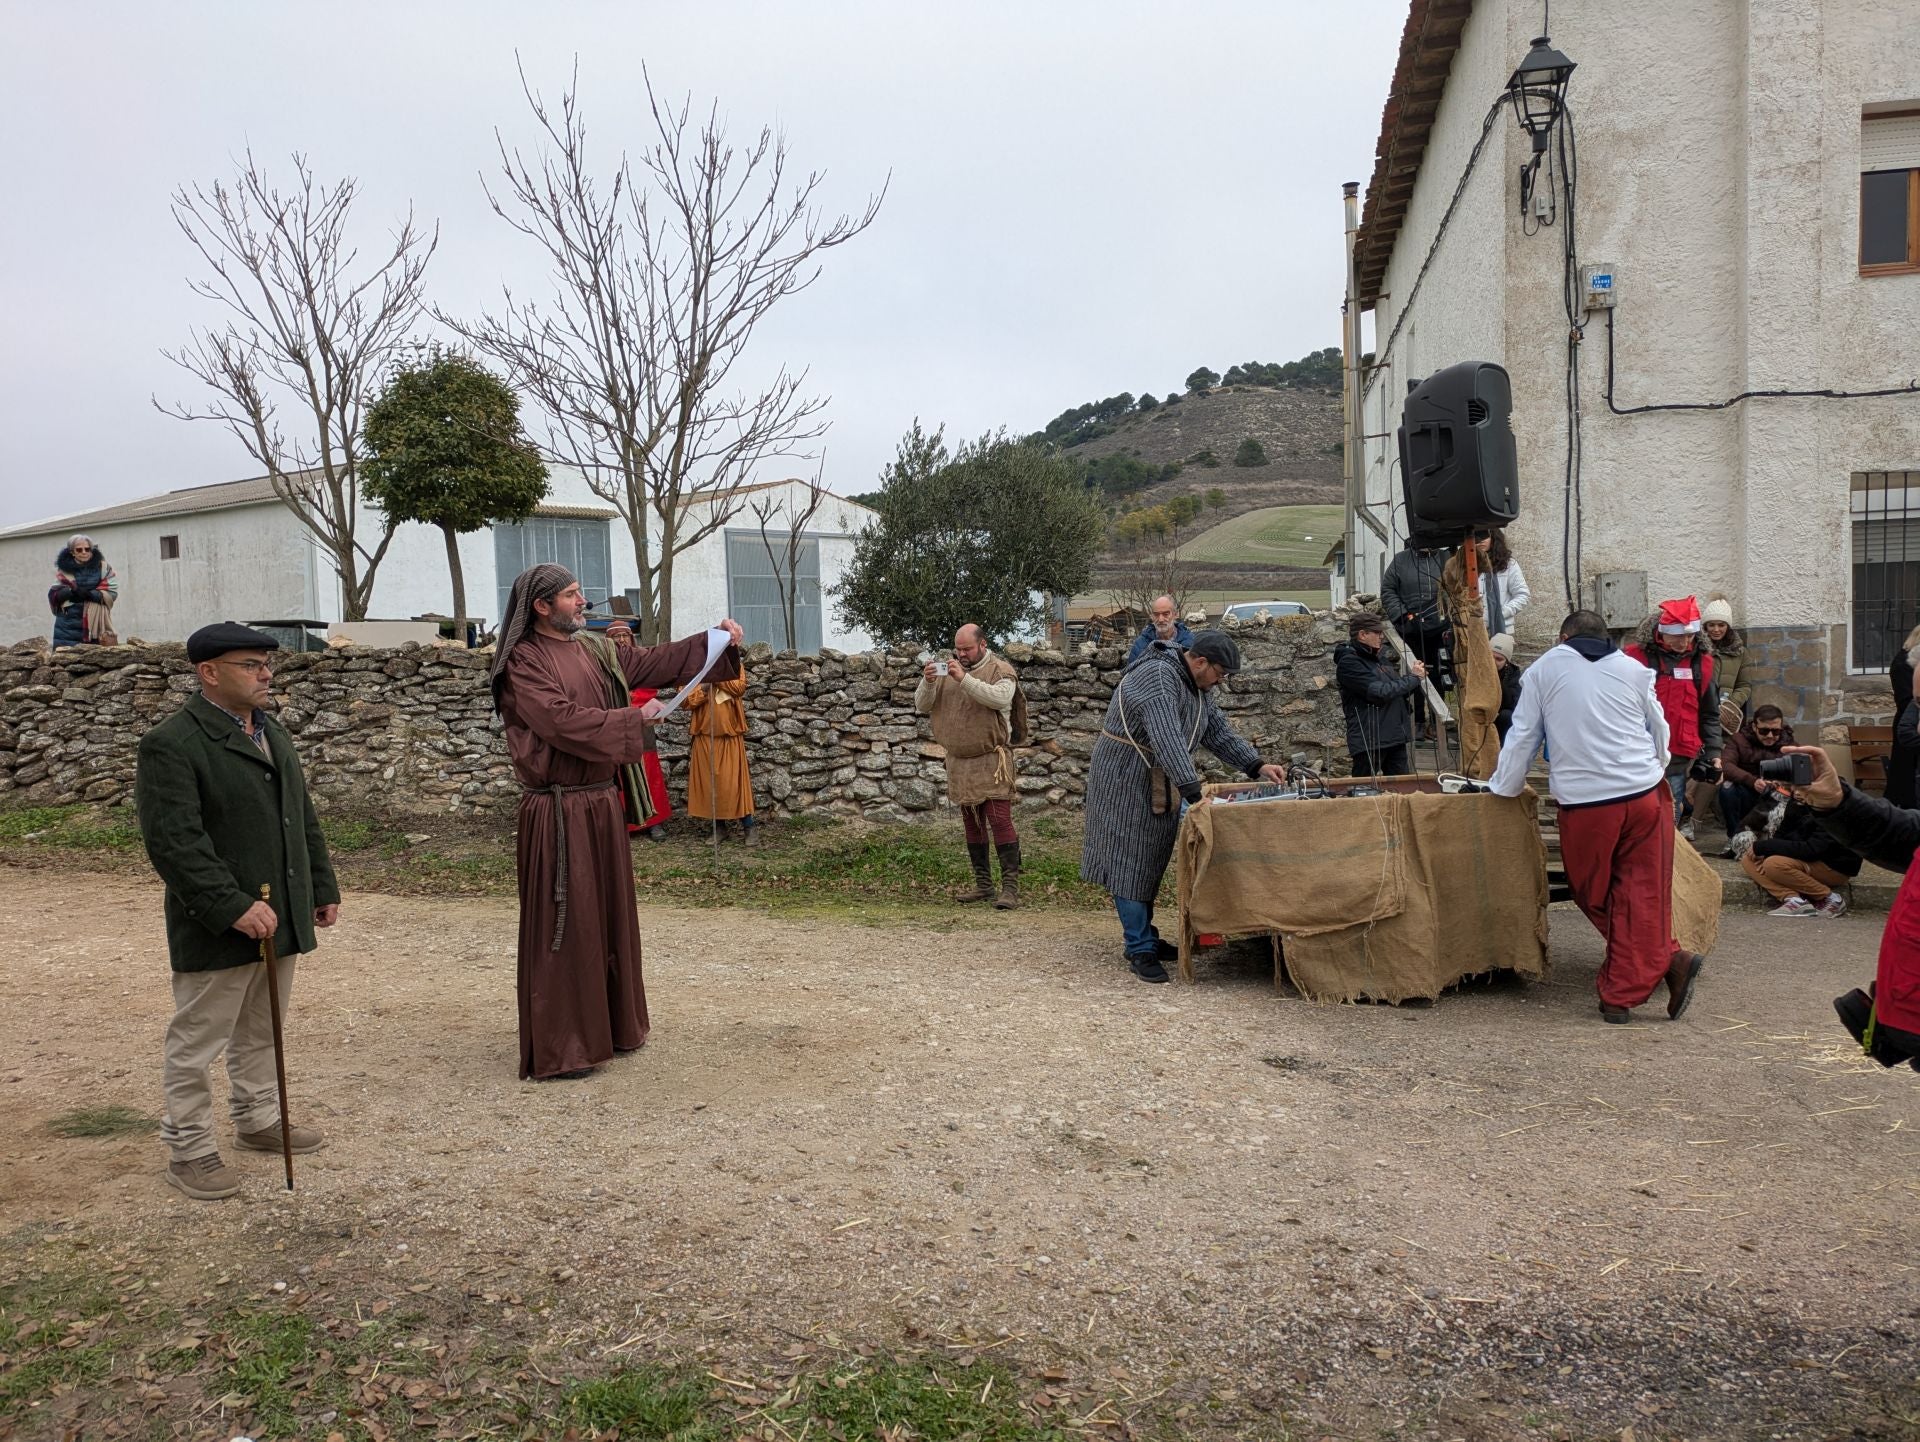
(1783, 876)
(214, 1011)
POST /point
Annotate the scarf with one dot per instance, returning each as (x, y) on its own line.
(635, 797)
(536, 583)
(1496, 609)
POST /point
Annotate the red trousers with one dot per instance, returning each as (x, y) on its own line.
(1619, 860)
(994, 816)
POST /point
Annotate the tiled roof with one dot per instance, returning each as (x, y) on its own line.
(1427, 46)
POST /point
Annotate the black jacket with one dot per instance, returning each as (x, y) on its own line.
(1509, 698)
(1412, 585)
(1801, 836)
(1374, 696)
(1883, 833)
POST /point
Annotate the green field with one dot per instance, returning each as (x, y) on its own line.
(1216, 600)
(1274, 536)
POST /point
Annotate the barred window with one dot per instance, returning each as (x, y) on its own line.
(1884, 509)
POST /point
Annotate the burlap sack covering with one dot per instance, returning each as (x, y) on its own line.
(1477, 682)
(1697, 893)
(1386, 897)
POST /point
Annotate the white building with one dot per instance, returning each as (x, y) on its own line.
(235, 552)
(1749, 170)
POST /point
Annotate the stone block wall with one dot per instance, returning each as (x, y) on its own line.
(412, 730)
(1803, 671)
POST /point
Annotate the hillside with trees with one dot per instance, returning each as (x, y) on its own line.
(1169, 467)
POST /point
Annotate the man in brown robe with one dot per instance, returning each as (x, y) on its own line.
(581, 994)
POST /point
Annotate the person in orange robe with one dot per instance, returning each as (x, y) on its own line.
(718, 788)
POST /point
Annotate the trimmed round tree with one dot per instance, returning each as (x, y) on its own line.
(444, 446)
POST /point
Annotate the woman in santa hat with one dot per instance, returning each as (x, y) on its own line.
(1672, 645)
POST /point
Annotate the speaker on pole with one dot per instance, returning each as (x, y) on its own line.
(1457, 462)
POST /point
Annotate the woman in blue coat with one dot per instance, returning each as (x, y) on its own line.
(82, 595)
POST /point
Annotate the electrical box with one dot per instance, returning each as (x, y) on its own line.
(1622, 597)
(1596, 285)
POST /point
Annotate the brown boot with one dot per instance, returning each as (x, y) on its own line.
(1681, 973)
(1009, 896)
(304, 1139)
(205, 1179)
(982, 888)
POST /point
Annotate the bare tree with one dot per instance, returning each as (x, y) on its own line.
(308, 325)
(1158, 571)
(660, 275)
(785, 542)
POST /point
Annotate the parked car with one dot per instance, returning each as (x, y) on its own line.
(1250, 610)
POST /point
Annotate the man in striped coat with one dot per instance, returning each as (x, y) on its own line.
(1143, 772)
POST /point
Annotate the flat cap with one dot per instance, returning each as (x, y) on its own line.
(1217, 647)
(224, 636)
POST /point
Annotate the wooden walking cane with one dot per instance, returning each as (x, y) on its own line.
(279, 1047)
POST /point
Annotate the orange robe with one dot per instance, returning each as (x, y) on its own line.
(717, 784)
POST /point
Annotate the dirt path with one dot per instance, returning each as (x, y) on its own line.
(1493, 1215)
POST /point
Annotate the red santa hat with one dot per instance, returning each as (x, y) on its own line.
(1679, 618)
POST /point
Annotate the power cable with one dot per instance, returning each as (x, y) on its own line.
(1825, 393)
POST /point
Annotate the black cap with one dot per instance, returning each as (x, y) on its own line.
(1217, 647)
(224, 636)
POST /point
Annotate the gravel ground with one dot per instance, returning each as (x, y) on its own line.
(1492, 1216)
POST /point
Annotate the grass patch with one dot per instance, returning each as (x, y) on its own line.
(646, 1402)
(1273, 535)
(77, 826)
(270, 1351)
(108, 1121)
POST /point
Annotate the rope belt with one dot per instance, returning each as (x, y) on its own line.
(560, 846)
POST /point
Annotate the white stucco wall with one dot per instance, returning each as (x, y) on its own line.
(245, 563)
(1719, 172)
(255, 563)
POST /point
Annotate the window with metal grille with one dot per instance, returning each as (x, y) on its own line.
(1885, 521)
(754, 590)
(583, 547)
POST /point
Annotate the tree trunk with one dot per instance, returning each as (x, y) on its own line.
(459, 581)
(353, 593)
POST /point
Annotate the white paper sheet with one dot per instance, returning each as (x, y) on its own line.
(717, 641)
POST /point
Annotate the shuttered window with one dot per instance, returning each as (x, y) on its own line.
(583, 547)
(1890, 193)
(1885, 524)
(754, 591)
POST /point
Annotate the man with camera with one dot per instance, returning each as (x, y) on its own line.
(1761, 739)
(1885, 1019)
(1594, 708)
(971, 703)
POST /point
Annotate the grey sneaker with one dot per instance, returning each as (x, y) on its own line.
(305, 1139)
(205, 1179)
(1834, 905)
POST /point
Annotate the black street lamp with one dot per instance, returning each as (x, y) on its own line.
(1538, 90)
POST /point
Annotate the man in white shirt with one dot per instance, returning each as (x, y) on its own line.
(1594, 708)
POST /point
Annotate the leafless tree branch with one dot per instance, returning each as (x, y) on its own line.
(784, 542)
(660, 271)
(307, 327)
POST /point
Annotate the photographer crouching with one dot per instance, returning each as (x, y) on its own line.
(1885, 1019)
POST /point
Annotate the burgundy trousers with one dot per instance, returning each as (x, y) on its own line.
(1619, 861)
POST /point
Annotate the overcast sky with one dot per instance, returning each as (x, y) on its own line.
(1086, 198)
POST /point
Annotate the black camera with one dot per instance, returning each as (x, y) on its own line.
(1795, 770)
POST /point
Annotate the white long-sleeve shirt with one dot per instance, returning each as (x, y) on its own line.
(1605, 734)
(995, 697)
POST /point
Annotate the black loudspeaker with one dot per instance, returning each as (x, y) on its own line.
(1457, 462)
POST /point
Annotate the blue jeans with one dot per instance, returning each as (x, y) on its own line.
(1136, 921)
(1735, 802)
(1677, 784)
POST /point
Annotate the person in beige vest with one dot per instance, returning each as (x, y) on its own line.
(971, 704)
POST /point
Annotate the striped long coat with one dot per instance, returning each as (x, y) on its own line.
(1127, 847)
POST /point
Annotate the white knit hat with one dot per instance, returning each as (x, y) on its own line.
(1503, 643)
(1718, 608)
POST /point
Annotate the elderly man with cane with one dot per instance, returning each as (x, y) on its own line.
(226, 819)
(1143, 775)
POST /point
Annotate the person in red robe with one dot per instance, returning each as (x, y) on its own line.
(581, 994)
(658, 805)
(1884, 1019)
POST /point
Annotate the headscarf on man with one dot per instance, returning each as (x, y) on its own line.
(536, 583)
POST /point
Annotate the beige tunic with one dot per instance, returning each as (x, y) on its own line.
(972, 723)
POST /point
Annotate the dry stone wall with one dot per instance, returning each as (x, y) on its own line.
(412, 730)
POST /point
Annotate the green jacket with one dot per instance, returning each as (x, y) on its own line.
(220, 820)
